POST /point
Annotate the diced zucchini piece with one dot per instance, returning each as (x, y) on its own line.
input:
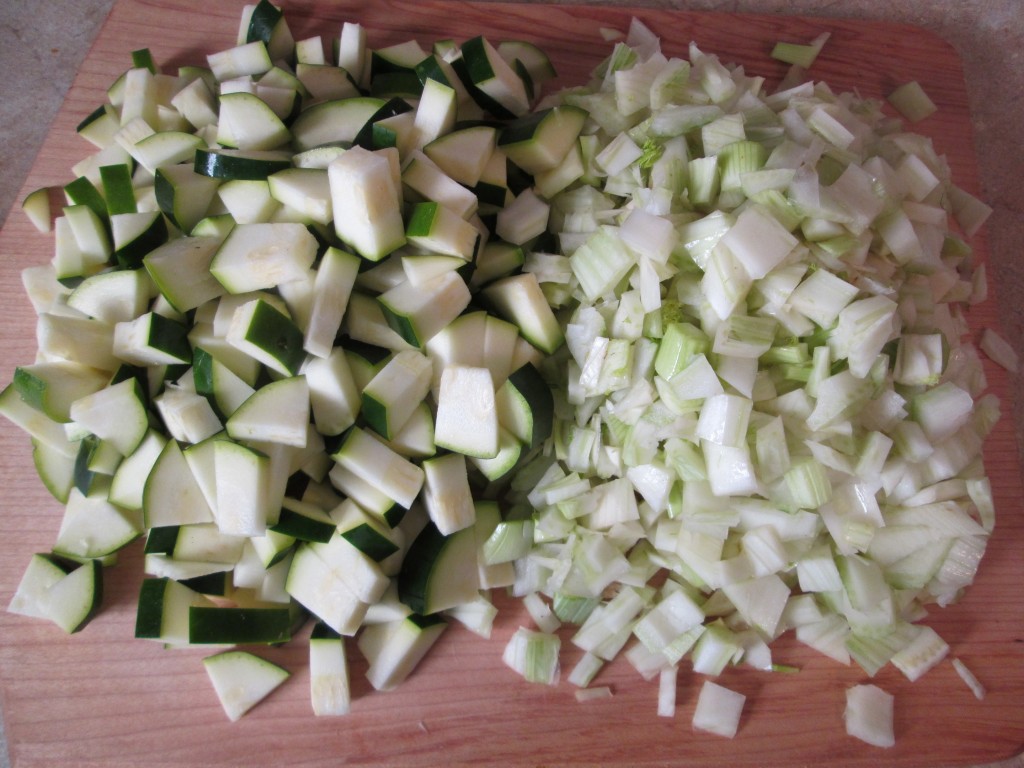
(439, 572)
(72, 601)
(258, 256)
(492, 83)
(217, 625)
(525, 406)
(38, 425)
(523, 219)
(436, 229)
(510, 449)
(172, 496)
(363, 531)
(418, 312)
(360, 573)
(36, 207)
(368, 458)
(539, 141)
(55, 470)
(329, 690)
(113, 297)
(304, 190)
(393, 650)
(117, 413)
(246, 122)
(304, 522)
(335, 277)
(240, 165)
(436, 111)
(188, 416)
(363, 185)
(242, 487)
(162, 610)
(183, 195)
(463, 154)
(152, 340)
(446, 493)
(333, 122)
(421, 177)
(313, 583)
(326, 82)
(250, 58)
(267, 335)
(135, 235)
(333, 394)
(129, 481)
(533, 58)
(53, 387)
(165, 149)
(520, 300)
(242, 680)
(118, 189)
(42, 572)
(495, 260)
(276, 413)
(93, 528)
(90, 234)
(390, 398)
(225, 390)
(467, 421)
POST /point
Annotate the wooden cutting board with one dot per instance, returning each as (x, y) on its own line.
(102, 698)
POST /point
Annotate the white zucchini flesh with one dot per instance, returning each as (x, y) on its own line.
(331, 290)
(171, 495)
(333, 394)
(188, 416)
(313, 583)
(116, 414)
(361, 574)
(258, 256)
(363, 184)
(330, 693)
(93, 527)
(242, 680)
(277, 412)
(370, 459)
(447, 495)
(391, 396)
(40, 574)
(241, 481)
(467, 421)
(54, 386)
(72, 601)
(393, 650)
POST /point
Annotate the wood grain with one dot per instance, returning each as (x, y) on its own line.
(102, 698)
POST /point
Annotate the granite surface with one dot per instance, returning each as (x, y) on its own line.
(43, 42)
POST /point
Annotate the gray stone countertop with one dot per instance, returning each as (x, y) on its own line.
(42, 43)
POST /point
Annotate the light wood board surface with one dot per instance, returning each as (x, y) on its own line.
(102, 698)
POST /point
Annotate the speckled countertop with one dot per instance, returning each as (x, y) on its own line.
(42, 43)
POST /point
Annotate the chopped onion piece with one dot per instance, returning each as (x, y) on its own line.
(718, 710)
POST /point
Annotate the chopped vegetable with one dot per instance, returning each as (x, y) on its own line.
(718, 710)
(678, 361)
(912, 101)
(242, 680)
(969, 678)
(999, 350)
(801, 55)
(869, 715)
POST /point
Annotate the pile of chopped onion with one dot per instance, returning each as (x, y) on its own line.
(769, 414)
